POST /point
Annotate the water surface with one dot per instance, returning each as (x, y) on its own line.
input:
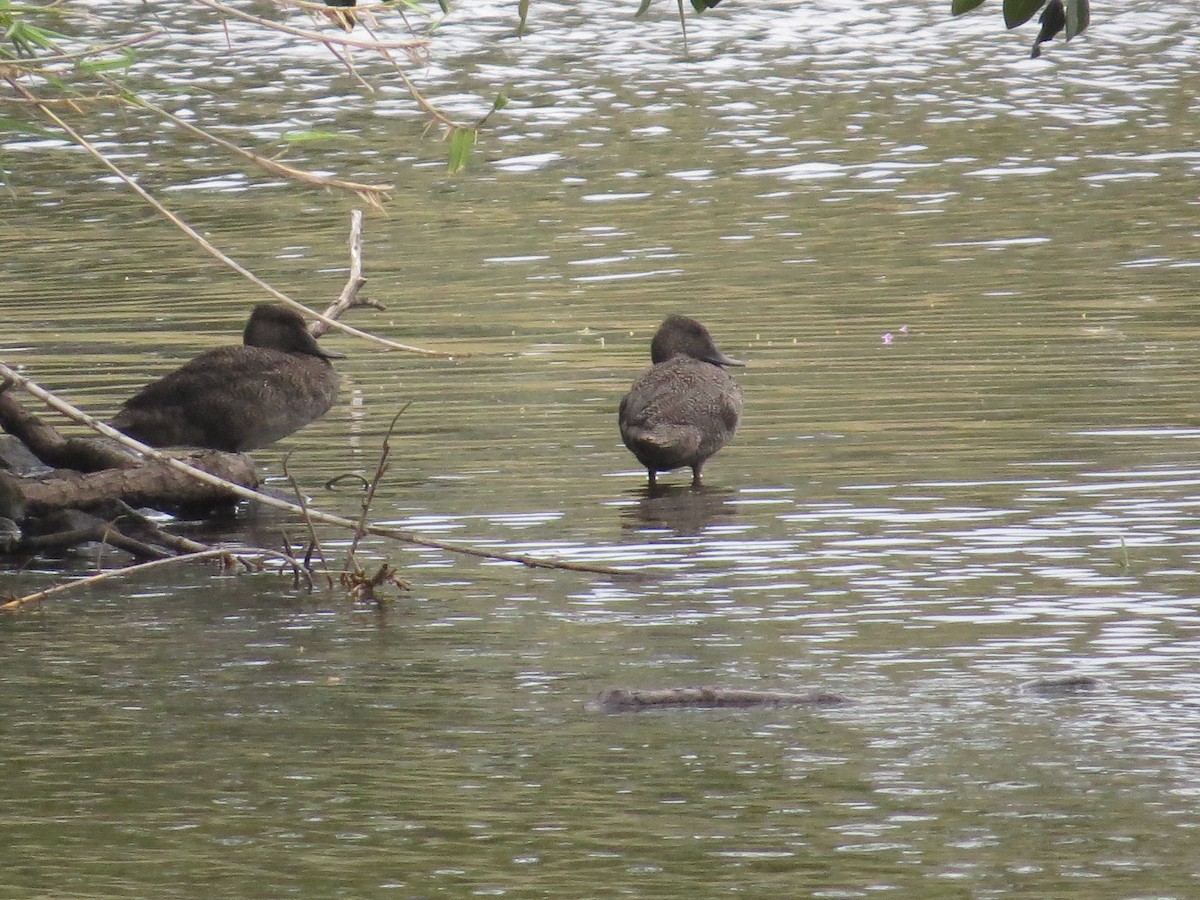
(963, 282)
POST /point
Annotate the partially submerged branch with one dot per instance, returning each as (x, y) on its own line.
(75, 414)
(349, 297)
(619, 700)
(216, 553)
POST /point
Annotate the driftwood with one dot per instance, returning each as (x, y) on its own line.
(153, 484)
(618, 700)
(1056, 686)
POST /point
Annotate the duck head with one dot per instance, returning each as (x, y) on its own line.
(682, 336)
(276, 328)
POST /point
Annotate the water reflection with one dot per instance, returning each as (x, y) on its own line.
(679, 509)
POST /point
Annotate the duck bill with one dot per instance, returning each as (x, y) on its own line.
(720, 359)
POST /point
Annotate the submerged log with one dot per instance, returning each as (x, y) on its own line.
(619, 700)
(88, 473)
(153, 484)
(1054, 686)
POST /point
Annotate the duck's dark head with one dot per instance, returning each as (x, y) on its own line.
(276, 328)
(682, 336)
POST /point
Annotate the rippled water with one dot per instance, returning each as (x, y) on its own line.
(963, 282)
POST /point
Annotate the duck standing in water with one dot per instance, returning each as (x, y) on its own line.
(238, 398)
(685, 407)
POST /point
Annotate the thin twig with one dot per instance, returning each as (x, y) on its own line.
(298, 569)
(300, 32)
(313, 542)
(349, 298)
(369, 495)
(18, 602)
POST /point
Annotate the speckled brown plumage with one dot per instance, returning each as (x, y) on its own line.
(238, 398)
(684, 408)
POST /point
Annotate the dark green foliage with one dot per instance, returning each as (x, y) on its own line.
(1053, 20)
(1078, 17)
(1057, 15)
(1018, 12)
(461, 141)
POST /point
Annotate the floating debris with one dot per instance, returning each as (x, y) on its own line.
(619, 700)
(1062, 685)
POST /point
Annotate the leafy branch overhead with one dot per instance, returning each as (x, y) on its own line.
(1068, 16)
(1071, 16)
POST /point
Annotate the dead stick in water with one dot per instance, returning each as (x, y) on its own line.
(348, 298)
(18, 602)
(708, 698)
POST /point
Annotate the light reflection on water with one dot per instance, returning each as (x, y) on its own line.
(1004, 491)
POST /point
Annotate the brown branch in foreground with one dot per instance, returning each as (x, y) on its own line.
(408, 537)
(204, 244)
(101, 532)
(145, 485)
(214, 553)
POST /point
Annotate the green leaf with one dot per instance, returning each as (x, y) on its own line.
(15, 126)
(699, 5)
(461, 142)
(1078, 16)
(91, 67)
(641, 10)
(958, 7)
(1018, 12)
(301, 137)
(523, 12)
(501, 100)
(27, 38)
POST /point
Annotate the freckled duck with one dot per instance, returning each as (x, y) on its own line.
(238, 398)
(685, 407)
